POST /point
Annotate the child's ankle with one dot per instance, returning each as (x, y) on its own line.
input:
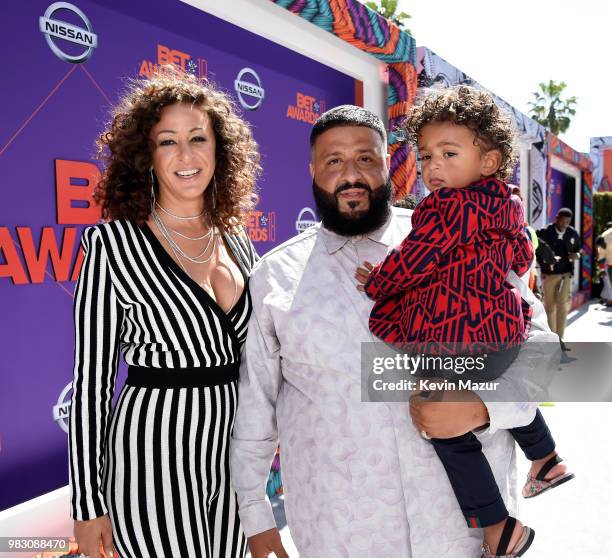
(544, 459)
(493, 533)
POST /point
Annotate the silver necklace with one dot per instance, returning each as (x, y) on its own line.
(195, 259)
(182, 218)
(179, 216)
(176, 248)
(176, 251)
(189, 237)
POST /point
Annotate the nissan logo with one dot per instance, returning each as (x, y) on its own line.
(57, 28)
(305, 220)
(61, 411)
(250, 92)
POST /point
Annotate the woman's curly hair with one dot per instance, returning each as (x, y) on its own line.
(466, 106)
(124, 191)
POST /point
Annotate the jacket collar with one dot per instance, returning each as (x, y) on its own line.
(334, 241)
(491, 186)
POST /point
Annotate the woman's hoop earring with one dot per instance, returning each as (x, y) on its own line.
(214, 192)
(152, 185)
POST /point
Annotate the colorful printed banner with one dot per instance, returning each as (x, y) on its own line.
(358, 25)
(583, 162)
(562, 150)
(538, 198)
(601, 157)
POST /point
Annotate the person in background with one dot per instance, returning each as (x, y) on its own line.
(565, 243)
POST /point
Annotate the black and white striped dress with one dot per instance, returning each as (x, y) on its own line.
(157, 463)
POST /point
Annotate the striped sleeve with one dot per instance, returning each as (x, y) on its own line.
(244, 249)
(253, 255)
(97, 319)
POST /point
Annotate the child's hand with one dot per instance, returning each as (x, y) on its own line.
(361, 274)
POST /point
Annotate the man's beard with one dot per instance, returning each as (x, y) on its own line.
(361, 222)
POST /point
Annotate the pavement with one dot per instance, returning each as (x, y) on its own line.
(575, 520)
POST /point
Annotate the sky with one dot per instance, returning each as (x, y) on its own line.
(511, 46)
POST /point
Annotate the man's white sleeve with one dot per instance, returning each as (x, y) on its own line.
(255, 437)
(504, 415)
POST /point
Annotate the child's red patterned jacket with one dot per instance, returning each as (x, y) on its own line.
(446, 281)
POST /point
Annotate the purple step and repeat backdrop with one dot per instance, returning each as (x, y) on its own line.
(66, 64)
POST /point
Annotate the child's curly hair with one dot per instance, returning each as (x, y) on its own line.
(467, 106)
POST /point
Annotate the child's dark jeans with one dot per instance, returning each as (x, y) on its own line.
(468, 469)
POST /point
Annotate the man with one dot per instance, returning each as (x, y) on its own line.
(359, 479)
(557, 274)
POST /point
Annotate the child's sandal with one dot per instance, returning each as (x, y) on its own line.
(536, 485)
(520, 548)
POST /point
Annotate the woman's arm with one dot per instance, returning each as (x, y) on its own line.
(97, 318)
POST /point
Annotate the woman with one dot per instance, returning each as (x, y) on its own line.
(165, 280)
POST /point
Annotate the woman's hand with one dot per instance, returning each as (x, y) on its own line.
(266, 543)
(93, 535)
(361, 274)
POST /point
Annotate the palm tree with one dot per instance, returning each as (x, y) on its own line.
(388, 9)
(549, 109)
